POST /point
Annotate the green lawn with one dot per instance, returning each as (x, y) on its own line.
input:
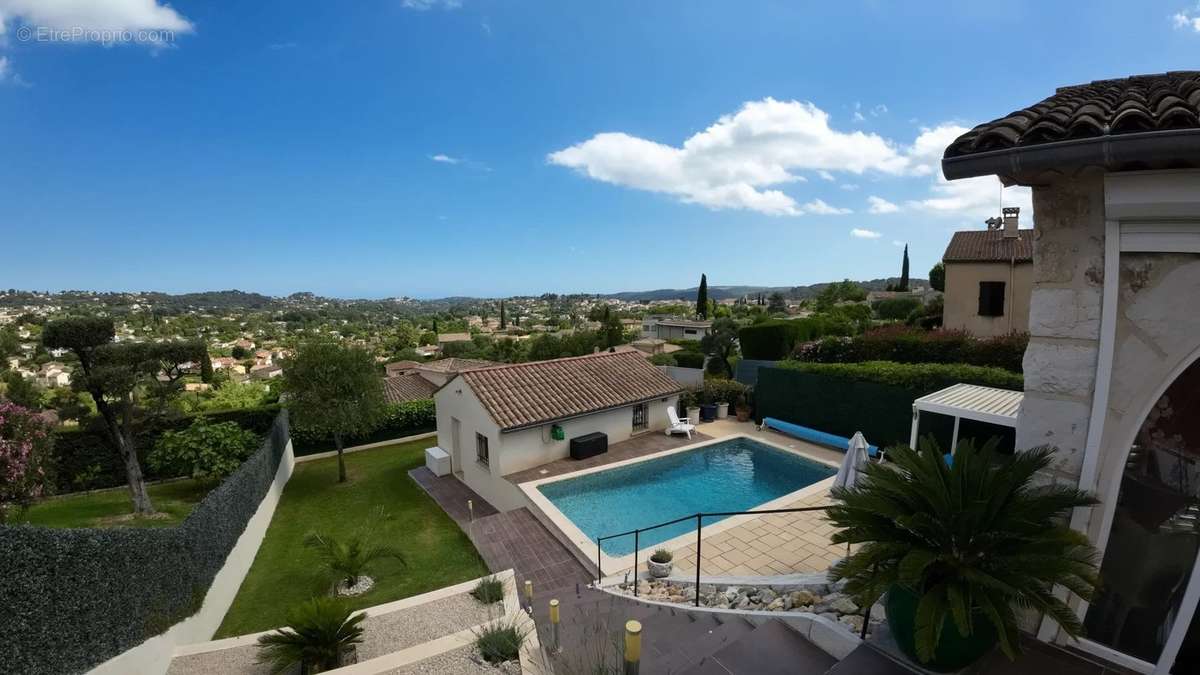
(284, 572)
(112, 508)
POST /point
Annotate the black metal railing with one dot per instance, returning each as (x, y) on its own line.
(699, 518)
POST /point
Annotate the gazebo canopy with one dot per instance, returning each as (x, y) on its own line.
(970, 401)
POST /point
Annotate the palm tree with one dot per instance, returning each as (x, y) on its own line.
(347, 559)
(973, 541)
(319, 631)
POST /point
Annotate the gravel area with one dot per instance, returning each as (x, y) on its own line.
(464, 661)
(239, 660)
(407, 627)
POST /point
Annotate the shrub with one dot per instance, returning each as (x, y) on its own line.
(909, 345)
(663, 360)
(501, 641)
(319, 632)
(203, 450)
(923, 376)
(896, 309)
(25, 445)
(346, 559)
(489, 590)
(688, 359)
(974, 541)
(662, 556)
(723, 391)
(399, 420)
(774, 340)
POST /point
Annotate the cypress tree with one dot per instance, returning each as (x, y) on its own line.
(503, 319)
(904, 272)
(702, 298)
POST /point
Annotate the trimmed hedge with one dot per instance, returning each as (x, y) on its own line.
(688, 359)
(74, 598)
(774, 340)
(909, 345)
(85, 460)
(403, 419)
(874, 398)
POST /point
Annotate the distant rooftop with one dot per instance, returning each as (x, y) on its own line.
(989, 246)
(410, 387)
(454, 365)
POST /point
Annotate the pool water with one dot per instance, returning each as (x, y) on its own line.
(734, 475)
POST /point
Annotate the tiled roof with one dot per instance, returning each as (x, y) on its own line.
(527, 394)
(989, 246)
(454, 337)
(454, 365)
(411, 387)
(1101, 108)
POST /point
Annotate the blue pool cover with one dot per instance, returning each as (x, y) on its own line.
(734, 475)
(813, 436)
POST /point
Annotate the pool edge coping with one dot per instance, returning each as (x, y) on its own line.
(615, 564)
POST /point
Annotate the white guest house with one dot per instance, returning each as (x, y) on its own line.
(500, 420)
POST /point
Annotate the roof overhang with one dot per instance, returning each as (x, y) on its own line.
(563, 418)
(1037, 164)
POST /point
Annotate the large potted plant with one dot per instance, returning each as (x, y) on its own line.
(321, 635)
(689, 400)
(959, 548)
(660, 563)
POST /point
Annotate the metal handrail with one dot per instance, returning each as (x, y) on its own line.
(699, 516)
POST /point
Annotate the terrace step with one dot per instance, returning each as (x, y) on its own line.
(771, 648)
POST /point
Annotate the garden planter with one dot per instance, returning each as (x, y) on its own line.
(708, 412)
(743, 414)
(693, 413)
(954, 650)
(722, 410)
(659, 570)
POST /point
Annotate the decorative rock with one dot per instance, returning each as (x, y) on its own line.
(776, 605)
(844, 605)
(803, 598)
(364, 584)
(855, 622)
(767, 596)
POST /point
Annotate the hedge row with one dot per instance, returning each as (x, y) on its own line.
(403, 419)
(775, 339)
(74, 598)
(874, 398)
(85, 460)
(909, 345)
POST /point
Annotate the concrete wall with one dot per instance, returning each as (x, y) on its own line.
(962, 297)
(688, 377)
(153, 656)
(524, 449)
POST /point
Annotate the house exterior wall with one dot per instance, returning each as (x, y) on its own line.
(962, 297)
(667, 332)
(524, 449)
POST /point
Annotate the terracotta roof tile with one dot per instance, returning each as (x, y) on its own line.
(1100, 108)
(455, 365)
(989, 246)
(411, 387)
(528, 394)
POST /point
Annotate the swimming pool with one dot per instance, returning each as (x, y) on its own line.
(732, 475)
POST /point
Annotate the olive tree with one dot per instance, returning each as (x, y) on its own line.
(114, 374)
(333, 389)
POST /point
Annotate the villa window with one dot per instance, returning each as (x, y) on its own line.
(639, 417)
(991, 298)
(481, 449)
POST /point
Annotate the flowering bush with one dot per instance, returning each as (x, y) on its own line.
(25, 444)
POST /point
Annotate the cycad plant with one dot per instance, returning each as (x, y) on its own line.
(319, 631)
(347, 559)
(973, 539)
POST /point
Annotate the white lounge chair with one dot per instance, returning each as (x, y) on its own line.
(678, 424)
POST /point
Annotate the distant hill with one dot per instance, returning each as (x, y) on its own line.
(727, 292)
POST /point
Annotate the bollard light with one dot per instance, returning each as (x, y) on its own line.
(633, 646)
(554, 624)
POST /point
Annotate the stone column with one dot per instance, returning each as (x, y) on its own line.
(1064, 320)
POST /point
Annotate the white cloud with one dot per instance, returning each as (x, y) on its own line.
(881, 205)
(96, 18)
(860, 233)
(445, 159)
(735, 163)
(878, 110)
(849, 186)
(5, 68)
(825, 175)
(1187, 20)
(423, 5)
(819, 207)
(978, 197)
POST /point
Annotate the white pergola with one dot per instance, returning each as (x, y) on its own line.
(970, 401)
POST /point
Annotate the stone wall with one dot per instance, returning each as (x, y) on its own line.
(1064, 320)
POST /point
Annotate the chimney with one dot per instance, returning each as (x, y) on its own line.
(1011, 214)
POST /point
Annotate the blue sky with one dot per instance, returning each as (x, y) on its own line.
(488, 147)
